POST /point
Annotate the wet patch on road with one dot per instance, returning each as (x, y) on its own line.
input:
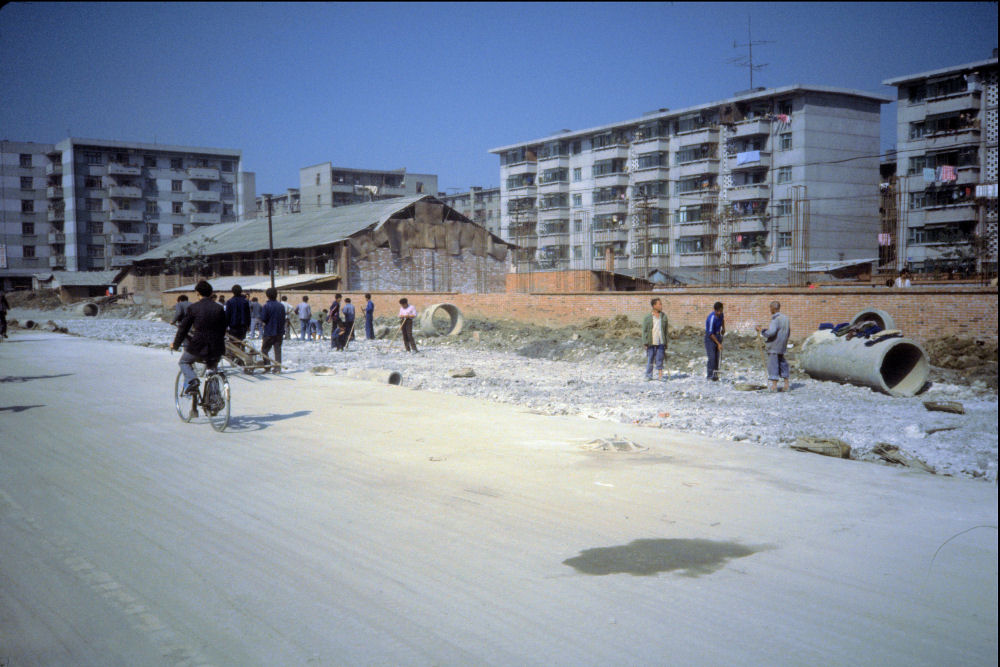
(689, 558)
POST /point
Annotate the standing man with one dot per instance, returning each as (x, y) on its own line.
(4, 307)
(180, 308)
(369, 317)
(238, 314)
(715, 329)
(288, 316)
(406, 315)
(255, 322)
(348, 313)
(654, 338)
(334, 318)
(304, 311)
(776, 335)
(206, 321)
(272, 317)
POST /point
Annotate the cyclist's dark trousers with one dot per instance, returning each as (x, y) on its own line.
(187, 359)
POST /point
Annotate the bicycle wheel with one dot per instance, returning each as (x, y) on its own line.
(217, 398)
(185, 404)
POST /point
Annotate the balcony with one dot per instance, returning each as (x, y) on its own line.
(203, 174)
(555, 238)
(204, 195)
(54, 192)
(122, 260)
(609, 235)
(53, 168)
(553, 186)
(696, 168)
(57, 214)
(661, 173)
(554, 161)
(520, 168)
(749, 191)
(125, 215)
(764, 162)
(964, 212)
(968, 175)
(699, 228)
(751, 128)
(613, 206)
(952, 138)
(750, 223)
(703, 135)
(121, 169)
(125, 192)
(747, 257)
(657, 144)
(57, 260)
(522, 191)
(607, 180)
(128, 237)
(611, 151)
(963, 101)
(205, 218)
(57, 237)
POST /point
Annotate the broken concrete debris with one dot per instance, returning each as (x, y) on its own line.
(615, 444)
(825, 446)
(892, 454)
(945, 406)
(462, 373)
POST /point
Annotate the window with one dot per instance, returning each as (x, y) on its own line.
(28, 228)
(95, 251)
(783, 207)
(95, 227)
(176, 186)
(651, 160)
(577, 174)
(917, 130)
(577, 199)
(578, 225)
(693, 214)
(29, 251)
(609, 195)
(92, 182)
(557, 200)
(151, 208)
(917, 93)
(693, 153)
(650, 189)
(149, 161)
(918, 199)
(177, 208)
(176, 163)
(695, 184)
(689, 244)
(520, 181)
(577, 147)
(785, 141)
(784, 239)
(554, 176)
(26, 160)
(93, 157)
(785, 107)
(317, 179)
(227, 189)
(227, 166)
(420, 187)
(27, 206)
(577, 252)
(27, 183)
(227, 209)
(609, 167)
(784, 174)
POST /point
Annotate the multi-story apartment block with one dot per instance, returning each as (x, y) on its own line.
(24, 227)
(283, 204)
(97, 203)
(770, 175)
(946, 147)
(481, 205)
(324, 185)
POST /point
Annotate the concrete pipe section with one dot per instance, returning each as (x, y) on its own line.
(376, 375)
(897, 366)
(879, 317)
(89, 309)
(427, 326)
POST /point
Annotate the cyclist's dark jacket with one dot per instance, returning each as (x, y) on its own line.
(206, 322)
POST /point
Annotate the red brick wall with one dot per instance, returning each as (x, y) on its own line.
(921, 313)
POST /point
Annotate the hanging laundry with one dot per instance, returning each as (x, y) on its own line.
(928, 175)
(884, 239)
(783, 117)
(948, 174)
(747, 156)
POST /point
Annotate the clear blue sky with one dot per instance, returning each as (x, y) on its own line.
(432, 87)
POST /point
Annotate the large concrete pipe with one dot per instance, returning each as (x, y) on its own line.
(376, 375)
(879, 317)
(897, 366)
(88, 309)
(427, 326)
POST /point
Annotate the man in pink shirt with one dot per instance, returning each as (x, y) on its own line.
(406, 315)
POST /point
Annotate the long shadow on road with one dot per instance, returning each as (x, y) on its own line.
(260, 422)
(26, 378)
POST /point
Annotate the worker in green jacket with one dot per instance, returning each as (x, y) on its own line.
(654, 338)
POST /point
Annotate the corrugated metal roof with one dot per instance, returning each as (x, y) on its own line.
(259, 284)
(294, 230)
(81, 278)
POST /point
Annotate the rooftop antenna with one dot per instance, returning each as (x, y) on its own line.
(747, 60)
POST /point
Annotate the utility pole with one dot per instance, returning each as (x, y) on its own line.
(270, 239)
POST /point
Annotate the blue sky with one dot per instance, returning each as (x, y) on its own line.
(432, 87)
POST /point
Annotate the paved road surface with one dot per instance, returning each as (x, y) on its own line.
(347, 523)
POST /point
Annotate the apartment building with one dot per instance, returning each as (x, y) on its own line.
(947, 151)
(288, 202)
(92, 204)
(324, 185)
(784, 174)
(479, 204)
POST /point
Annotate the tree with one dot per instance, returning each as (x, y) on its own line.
(192, 257)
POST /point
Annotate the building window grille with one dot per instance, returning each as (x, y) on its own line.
(784, 174)
(785, 141)
(26, 160)
(94, 158)
(176, 186)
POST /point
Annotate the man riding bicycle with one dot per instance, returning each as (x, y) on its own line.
(206, 322)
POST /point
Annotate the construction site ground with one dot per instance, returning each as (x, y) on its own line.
(595, 370)
(344, 522)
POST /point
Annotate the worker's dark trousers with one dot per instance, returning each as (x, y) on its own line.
(408, 340)
(713, 357)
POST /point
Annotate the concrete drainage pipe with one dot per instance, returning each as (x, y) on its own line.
(429, 327)
(898, 366)
(376, 375)
(879, 317)
(89, 309)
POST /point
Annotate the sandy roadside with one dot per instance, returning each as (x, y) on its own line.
(343, 522)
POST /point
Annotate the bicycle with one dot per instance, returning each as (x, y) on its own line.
(213, 398)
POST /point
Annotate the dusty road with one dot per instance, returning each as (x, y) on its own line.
(348, 523)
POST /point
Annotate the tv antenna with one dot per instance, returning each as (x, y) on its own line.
(747, 60)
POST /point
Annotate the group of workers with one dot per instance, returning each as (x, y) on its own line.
(776, 334)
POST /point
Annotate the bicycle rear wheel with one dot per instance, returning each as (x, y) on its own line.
(185, 404)
(217, 397)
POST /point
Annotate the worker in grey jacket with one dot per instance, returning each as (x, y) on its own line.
(776, 336)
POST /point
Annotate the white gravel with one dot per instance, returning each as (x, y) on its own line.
(610, 386)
